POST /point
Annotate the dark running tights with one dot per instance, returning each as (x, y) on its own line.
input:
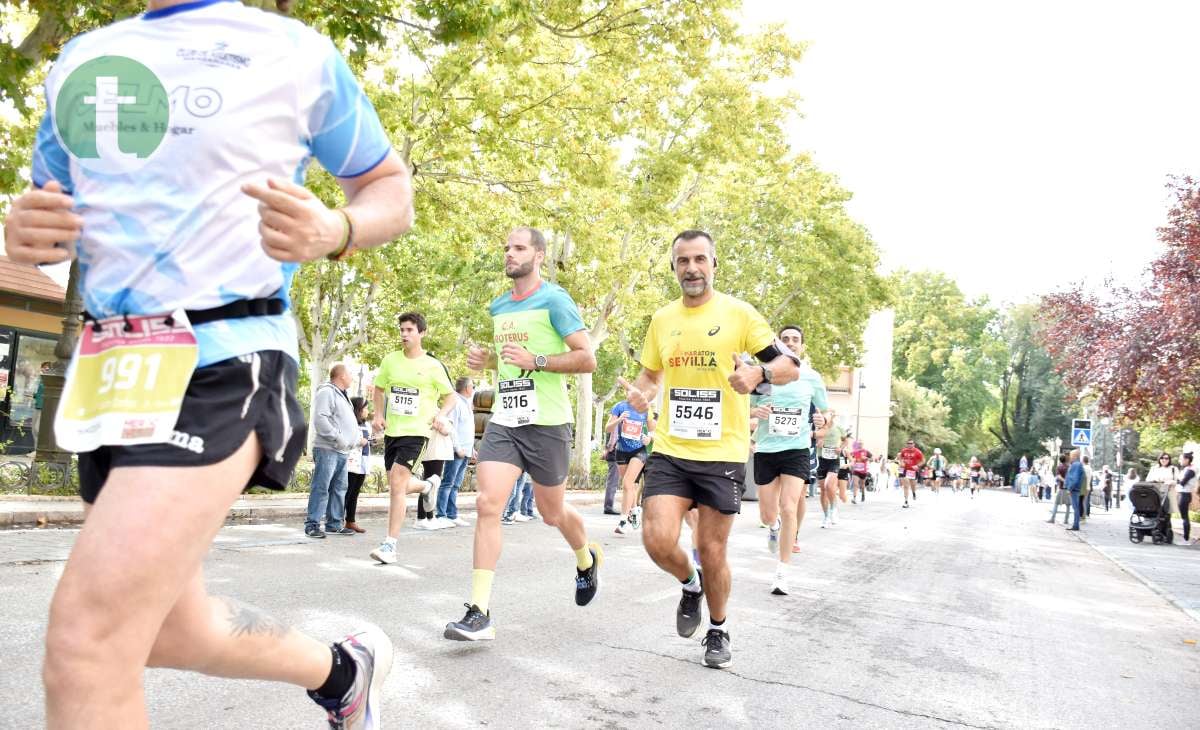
(355, 482)
(1185, 503)
(428, 469)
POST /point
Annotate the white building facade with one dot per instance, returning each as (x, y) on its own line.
(862, 397)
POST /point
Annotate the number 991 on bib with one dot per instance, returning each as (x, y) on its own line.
(126, 382)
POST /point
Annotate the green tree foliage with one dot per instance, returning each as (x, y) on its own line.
(610, 125)
(1032, 398)
(949, 344)
(920, 414)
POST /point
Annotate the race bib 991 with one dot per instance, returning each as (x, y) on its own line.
(126, 382)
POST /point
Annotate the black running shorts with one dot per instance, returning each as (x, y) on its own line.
(402, 450)
(544, 452)
(843, 474)
(826, 467)
(716, 484)
(770, 466)
(224, 403)
(624, 457)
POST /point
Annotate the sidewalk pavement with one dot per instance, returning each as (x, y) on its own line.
(43, 511)
(1172, 571)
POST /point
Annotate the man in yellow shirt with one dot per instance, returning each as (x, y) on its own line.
(412, 388)
(693, 353)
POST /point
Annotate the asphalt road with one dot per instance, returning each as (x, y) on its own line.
(954, 613)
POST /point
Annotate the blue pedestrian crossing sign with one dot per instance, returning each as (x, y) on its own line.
(1081, 432)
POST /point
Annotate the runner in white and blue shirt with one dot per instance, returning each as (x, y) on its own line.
(176, 232)
(171, 159)
(781, 454)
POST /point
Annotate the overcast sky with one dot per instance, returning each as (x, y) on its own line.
(1014, 145)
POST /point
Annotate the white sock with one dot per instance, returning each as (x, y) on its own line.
(693, 584)
(390, 541)
(723, 627)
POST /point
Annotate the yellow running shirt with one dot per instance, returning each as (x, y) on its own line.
(703, 418)
(413, 389)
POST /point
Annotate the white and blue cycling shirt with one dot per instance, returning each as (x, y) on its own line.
(250, 95)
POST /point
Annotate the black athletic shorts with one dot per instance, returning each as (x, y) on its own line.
(769, 466)
(402, 450)
(716, 484)
(843, 474)
(223, 404)
(624, 457)
(826, 466)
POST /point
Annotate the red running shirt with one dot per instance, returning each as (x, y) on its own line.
(861, 457)
(910, 456)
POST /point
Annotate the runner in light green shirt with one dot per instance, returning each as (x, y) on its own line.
(407, 390)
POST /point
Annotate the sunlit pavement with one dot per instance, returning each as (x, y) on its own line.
(1171, 570)
(957, 612)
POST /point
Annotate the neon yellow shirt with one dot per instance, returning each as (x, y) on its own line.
(703, 418)
(412, 389)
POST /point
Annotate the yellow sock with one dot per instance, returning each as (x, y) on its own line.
(583, 558)
(481, 588)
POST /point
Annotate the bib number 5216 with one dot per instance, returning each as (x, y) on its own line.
(512, 402)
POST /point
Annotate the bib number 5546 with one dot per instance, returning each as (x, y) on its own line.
(686, 412)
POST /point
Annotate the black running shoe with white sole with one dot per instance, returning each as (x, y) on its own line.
(716, 649)
(371, 651)
(587, 582)
(475, 626)
(690, 613)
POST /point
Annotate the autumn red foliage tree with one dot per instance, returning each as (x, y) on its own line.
(1138, 351)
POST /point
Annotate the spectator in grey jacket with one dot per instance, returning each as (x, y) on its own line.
(336, 432)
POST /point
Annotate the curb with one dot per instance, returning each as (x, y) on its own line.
(1163, 592)
(238, 514)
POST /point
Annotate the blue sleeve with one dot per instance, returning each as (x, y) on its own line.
(617, 409)
(564, 315)
(347, 137)
(50, 160)
(820, 396)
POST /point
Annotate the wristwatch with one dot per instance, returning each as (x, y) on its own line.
(540, 362)
(766, 372)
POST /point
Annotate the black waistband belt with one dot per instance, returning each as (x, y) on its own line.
(238, 309)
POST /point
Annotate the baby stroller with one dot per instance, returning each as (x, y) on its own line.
(1151, 514)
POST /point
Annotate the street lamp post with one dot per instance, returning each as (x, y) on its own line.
(48, 451)
(858, 413)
